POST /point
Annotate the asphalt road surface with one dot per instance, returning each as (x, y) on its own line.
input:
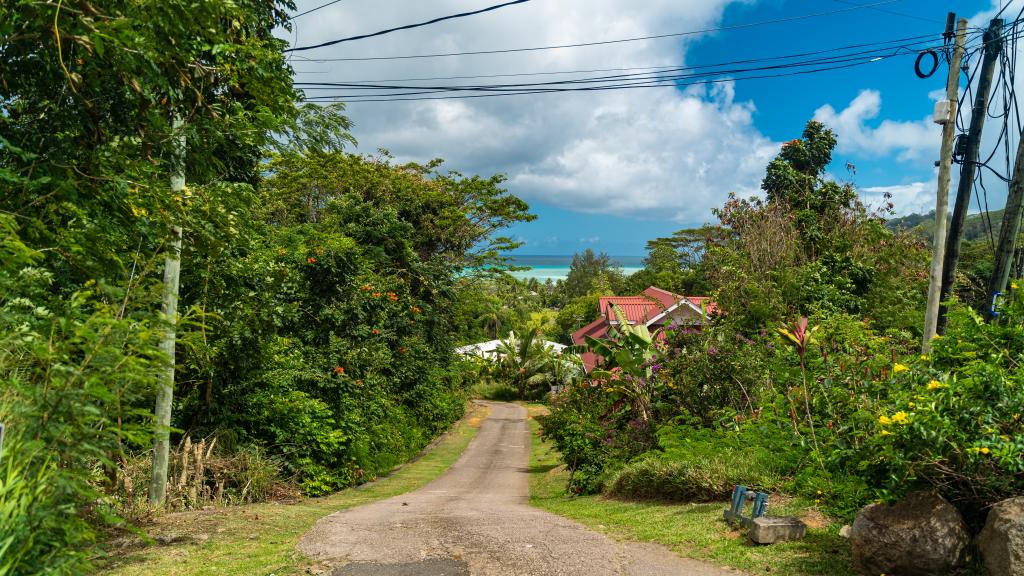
(475, 520)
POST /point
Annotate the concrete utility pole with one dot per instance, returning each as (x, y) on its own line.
(931, 313)
(172, 274)
(1010, 228)
(993, 46)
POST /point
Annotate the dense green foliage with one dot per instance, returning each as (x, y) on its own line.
(87, 101)
(318, 293)
(809, 380)
(327, 335)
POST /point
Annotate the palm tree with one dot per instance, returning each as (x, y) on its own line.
(491, 323)
(525, 362)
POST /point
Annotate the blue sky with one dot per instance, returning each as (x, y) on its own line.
(610, 171)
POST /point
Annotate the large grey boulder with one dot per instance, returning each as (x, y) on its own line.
(921, 535)
(1001, 541)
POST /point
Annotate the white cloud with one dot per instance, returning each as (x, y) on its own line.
(913, 197)
(908, 140)
(654, 152)
(981, 19)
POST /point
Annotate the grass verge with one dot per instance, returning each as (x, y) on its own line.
(690, 530)
(261, 538)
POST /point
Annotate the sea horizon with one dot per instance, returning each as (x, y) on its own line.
(555, 267)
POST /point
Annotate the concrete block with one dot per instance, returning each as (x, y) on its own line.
(772, 529)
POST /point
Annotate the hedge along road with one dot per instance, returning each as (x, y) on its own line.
(475, 520)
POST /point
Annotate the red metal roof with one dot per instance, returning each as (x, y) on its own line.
(638, 309)
(709, 305)
(666, 298)
(597, 329)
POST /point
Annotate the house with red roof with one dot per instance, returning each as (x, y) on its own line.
(655, 308)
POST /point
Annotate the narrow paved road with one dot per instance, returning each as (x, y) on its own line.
(475, 520)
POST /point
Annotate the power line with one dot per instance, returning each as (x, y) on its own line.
(407, 26)
(606, 42)
(654, 68)
(895, 13)
(315, 9)
(657, 76)
(660, 83)
(587, 89)
(839, 58)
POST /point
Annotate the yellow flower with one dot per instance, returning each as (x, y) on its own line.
(899, 368)
(1013, 285)
(900, 417)
(884, 420)
(934, 384)
(885, 433)
(924, 357)
(984, 450)
(911, 404)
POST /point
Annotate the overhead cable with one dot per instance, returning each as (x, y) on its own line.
(905, 41)
(603, 42)
(406, 27)
(658, 75)
(350, 99)
(315, 9)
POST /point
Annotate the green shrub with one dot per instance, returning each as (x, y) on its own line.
(703, 464)
(498, 391)
(652, 477)
(72, 366)
(954, 421)
(594, 434)
(36, 533)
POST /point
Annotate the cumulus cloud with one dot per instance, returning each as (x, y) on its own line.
(908, 140)
(913, 197)
(655, 152)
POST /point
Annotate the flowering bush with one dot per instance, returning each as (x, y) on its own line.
(953, 421)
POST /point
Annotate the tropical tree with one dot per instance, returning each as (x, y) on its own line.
(524, 362)
(627, 369)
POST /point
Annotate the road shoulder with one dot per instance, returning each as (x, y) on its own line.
(262, 538)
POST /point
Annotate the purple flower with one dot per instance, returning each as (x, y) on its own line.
(655, 367)
(712, 350)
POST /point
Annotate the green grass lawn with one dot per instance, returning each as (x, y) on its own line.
(260, 539)
(691, 530)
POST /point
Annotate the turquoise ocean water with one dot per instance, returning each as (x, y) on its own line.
(557, 267)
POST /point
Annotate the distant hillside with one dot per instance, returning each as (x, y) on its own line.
(975, 227)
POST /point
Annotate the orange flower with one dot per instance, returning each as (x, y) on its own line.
(402, 349)
(366, 288)
(415, 309)
(376, 294)
(311, 260)
(339, 370)
(375, 331)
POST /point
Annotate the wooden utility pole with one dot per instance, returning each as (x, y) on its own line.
(1010, 228)
(931, 314)
(172, 274)
(993, 46)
